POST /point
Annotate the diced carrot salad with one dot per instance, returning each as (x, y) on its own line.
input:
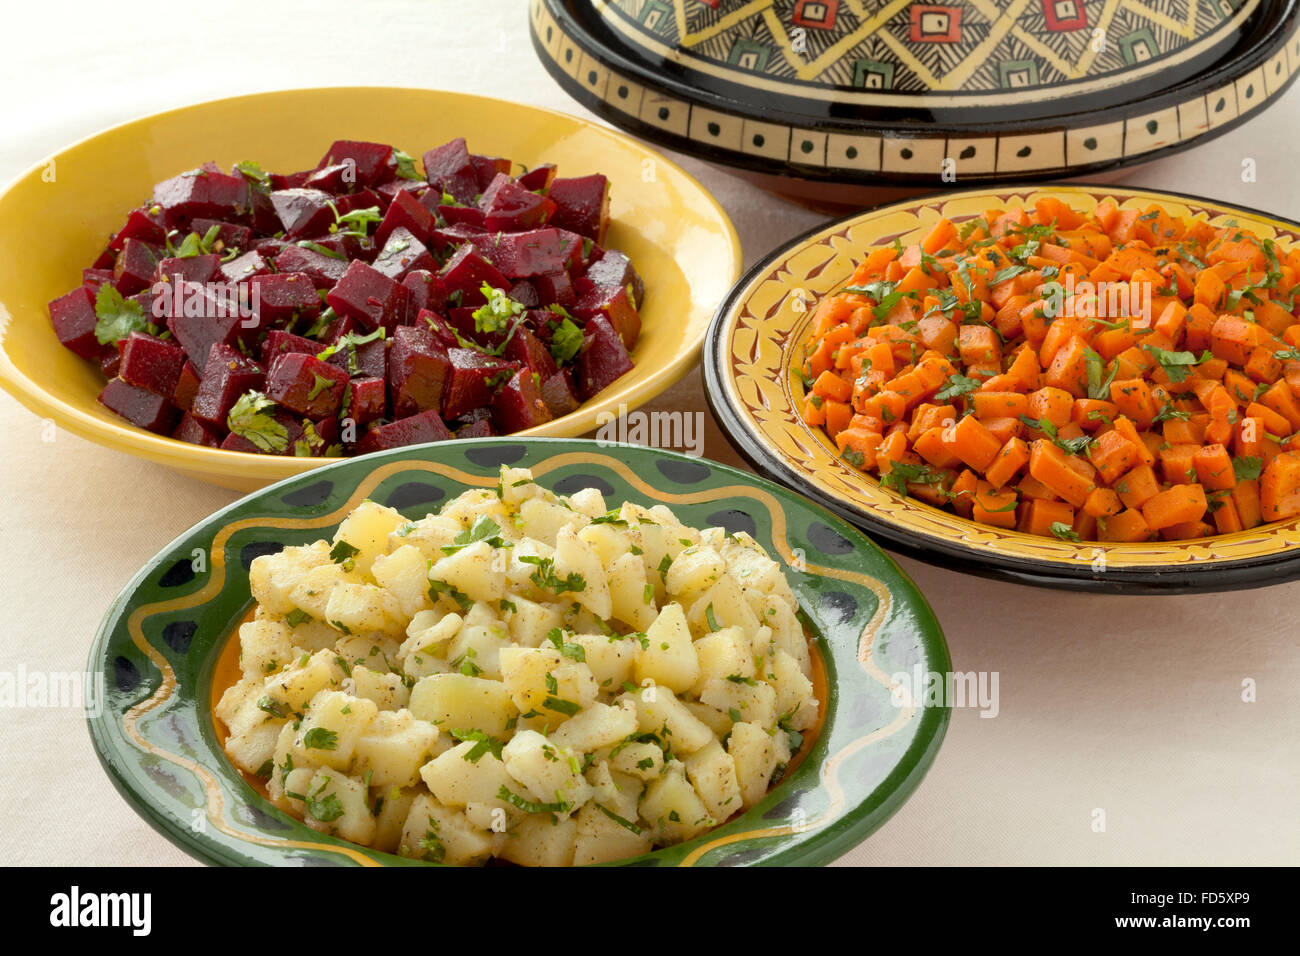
(1122, 375)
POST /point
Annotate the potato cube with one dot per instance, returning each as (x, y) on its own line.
(574, 557)
(541, 840)
(668, 655)
(291, 689)
(340, 805)
(438, 834)
(600, 725)
(455, 701)
(723, 654)
(551, 775)
(659, 710)
(610, 660)
(672, 808)
(393, 809)
(456, 780)
(273, 577)
(366, 529)
(631, 596)
(755, 756)
(354, 608)
(405, 575)
(693, 572)
(331, 727)
(474, 571)
(393, 749)
(754, 701)
(264, 647)
(712, 771)
(602, 839)
(388, 691)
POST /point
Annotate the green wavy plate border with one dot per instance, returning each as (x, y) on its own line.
(155, 738)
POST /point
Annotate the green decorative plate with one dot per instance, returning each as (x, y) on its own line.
(161, 641)
(899, 92)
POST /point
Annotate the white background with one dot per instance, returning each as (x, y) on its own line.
(1129, 705)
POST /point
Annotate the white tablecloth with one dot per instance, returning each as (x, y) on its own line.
(1129, 706)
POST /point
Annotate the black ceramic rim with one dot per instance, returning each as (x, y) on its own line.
(1274, 27)
(1212, 576)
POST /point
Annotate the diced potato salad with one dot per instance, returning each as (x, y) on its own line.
(522, 675)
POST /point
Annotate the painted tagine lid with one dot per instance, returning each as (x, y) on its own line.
(874, 91)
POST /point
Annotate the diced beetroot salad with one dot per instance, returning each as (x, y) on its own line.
(358, 305)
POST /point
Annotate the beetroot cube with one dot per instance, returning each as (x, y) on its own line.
(522, 254)
(135, 266)
(339, 178)
(442, 331)
(450, 168)
(468, 217)
(613, 271)
(139, 406)
(369, 360)
(73, 317)
(198, 269)
(555, 288)
(466, 271)
(187, 386)
(615, 305)
(509, 207)
(417, 371)
(205, 193)
(303, 212)
(414, 430)
(525, 293)
(283, 299)
(426, 291)
(602, 358)
(448, 238)
(406, 212)
(402, 254)
(369, 297)
(538, 179)
(529, 351)
(487, 168)
(251, 263)
(324, 271)
(289, 180)
(560, 393)
(279, 342)
(346, 246)
(306, 385)
(270, 248)
(472, 380)
(519, 405)
(196, 433)
(110, 361)
(482, 428)
(340, 326)
(582, 205)
(412, 187)
(145, 224)
(233, 442)
(150, 363)
(226, 375)
(228, 236)
(197, 333)
(369, 400)
(373, 163)
(92, 279)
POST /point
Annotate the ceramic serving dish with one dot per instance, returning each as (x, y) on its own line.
(847, 92)
(756, 344)
(675, 234)
(162, 640)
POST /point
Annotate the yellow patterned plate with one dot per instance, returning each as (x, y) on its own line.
(164, 646)
(676, 235)
(756, 343)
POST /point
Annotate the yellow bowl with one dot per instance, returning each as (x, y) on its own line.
(56, 218)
